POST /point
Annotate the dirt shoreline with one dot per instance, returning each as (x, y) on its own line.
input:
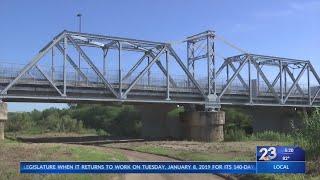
(139, 156)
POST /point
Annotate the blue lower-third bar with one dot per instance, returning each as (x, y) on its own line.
(281, 167)
(138, 167)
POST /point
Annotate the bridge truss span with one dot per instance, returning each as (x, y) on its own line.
(82, 67)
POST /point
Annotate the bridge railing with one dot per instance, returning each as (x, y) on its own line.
(8, 71)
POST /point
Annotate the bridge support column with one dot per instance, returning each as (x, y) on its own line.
(278, 119)
(156, 123)
(203, 125)
(3, 118)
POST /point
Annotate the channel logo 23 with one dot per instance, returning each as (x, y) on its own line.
(268, 153)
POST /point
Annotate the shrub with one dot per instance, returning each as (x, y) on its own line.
(308, 136)
(68, 124)
(18, 122)
(127, 123)
(237, 119)
(271, 136)
(106, 120)
(235, 135)
(175, 112)
(102, 132)
(51, 122)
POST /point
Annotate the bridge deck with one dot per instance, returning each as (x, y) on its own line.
(38, 89)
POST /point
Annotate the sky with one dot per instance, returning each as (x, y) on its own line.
(285, 28)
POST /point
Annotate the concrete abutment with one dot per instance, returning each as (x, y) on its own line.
(3, 118)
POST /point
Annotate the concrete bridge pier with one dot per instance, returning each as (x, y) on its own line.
(280, 119)
(203, 125)
(156, 123)
(3, 118)
(193, 124)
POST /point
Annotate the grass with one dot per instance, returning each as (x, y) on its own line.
(12, 152)
(240, 135)
(189, 155)
(91, 154)
(198, 151)
(272, 136)
(224, 151)
(38, 134)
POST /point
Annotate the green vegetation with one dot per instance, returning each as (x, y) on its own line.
(13, 152)
(272, 136)
(226, 151)
(175, 112)
(308, 137)
(237, 119)
(238, 127)
(125, 121)
(240, 135)
(49, 120)
(189, 155)
(197, 151)
(98, 119)
(116, 121)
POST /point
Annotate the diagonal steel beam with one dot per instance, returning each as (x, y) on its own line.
(73, 64)
(134, 67)
(265, 79)
(176, 57)
(143, 72)
(165, 73)
(236, 72)
(295, 82)
(31, 75)
(317, 78)
(159, 64)
(274, 81)
(314, 72)
(221, 67)
(91, 64)
(34, 61)
(315, 96)
(293, 79)
(243, 82)
(49, 79)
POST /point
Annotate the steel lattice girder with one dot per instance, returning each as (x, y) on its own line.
(258, 61)
(154, 50)
(82, 39)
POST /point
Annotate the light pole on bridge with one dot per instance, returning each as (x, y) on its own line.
(79, 15)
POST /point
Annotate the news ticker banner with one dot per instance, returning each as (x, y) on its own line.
(270, 159)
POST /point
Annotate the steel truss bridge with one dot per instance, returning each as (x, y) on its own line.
(243, 79)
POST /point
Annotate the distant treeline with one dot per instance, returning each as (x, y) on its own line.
(104, 120)
(100, 119)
